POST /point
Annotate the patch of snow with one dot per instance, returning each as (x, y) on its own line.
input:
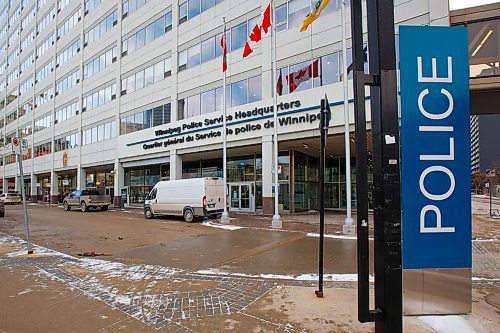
(448, 324)
(221, 226)
(475, 278)
(301, 277)
(311, 234)
(123, 299)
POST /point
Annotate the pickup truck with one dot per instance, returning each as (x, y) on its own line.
(85, 199)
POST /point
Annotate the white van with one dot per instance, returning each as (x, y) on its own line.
(189, 198)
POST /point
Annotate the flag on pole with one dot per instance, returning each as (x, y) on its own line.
(302, 75)
(318, 6)
(224, 50)
(257, 32)
(279, 85)
(350, 67)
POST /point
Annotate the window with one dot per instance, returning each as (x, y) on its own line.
(146, 35)
(145, 119)
(239, 36)
(239, 93)
(101, 28)
(68, 53)
(208, 102)
(192, 8)
(194, 56)
(100, 97)
(208, 50)
(100, 62)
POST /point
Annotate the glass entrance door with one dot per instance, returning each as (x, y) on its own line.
(242, 197)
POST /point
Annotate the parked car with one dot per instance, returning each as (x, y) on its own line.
(2, 209)
(85, 199)
(10, 198)
(190, 198)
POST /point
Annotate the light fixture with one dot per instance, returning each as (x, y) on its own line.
(482, 42)
(305, 145)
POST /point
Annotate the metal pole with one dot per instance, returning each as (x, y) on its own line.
(348, 223)
(225, 215)
(23, 196)
(319, 292)
(276, 221)
(489, 190)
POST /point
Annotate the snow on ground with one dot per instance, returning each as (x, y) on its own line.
(221, 226)
(301, 277)
(448, 324)
(311, 234)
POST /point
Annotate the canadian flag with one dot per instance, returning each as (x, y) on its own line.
(302, 75)
(257, 32)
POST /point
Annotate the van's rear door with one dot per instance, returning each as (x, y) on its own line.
(214, 191)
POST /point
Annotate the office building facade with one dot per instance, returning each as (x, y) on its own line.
(117, 95)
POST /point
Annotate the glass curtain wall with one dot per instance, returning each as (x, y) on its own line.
(306, 182)
(142, 180)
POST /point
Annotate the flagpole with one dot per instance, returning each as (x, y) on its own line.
(348, 223)
(276, 221)
(225, 215)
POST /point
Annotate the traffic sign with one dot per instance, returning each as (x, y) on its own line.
(24, 146)
(16, 146)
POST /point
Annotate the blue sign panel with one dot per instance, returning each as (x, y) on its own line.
(435, 147)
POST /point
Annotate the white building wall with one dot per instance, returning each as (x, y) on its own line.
(323, 37)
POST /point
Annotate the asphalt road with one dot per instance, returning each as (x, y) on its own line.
(127, 237)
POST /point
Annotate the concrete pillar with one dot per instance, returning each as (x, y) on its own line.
(267, 175)
(175, 165)
(34, 188)
(80, 178)
(119, 182)
(5, 185)
(54, 188)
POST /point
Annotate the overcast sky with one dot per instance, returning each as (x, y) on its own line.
(458, 4)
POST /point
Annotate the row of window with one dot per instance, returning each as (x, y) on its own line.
(15, 15)
(99, 133)
(192, 8)
(43, 123)
(210, 48)
(27, 63)
(28, 18)
(44, 71)
(68, 82)
(44, 96)
(67, 142)
(145, 119)
(101, 28)
(67, 112)
(11, 117)
(45, 21)
(13, 36)
(68, 52)
(26, 85)
(147, 76)
(99, 98)
(25, 131)
(3, 67)
(26, 108)
(100, 62)
(238, 93)
(90, 5)
(131, 6)
(61, 4)
(43, 149)
(146, 35)
(69, 23)
(13, 56)
(28, 39)
(45, 46)
(12, 77)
